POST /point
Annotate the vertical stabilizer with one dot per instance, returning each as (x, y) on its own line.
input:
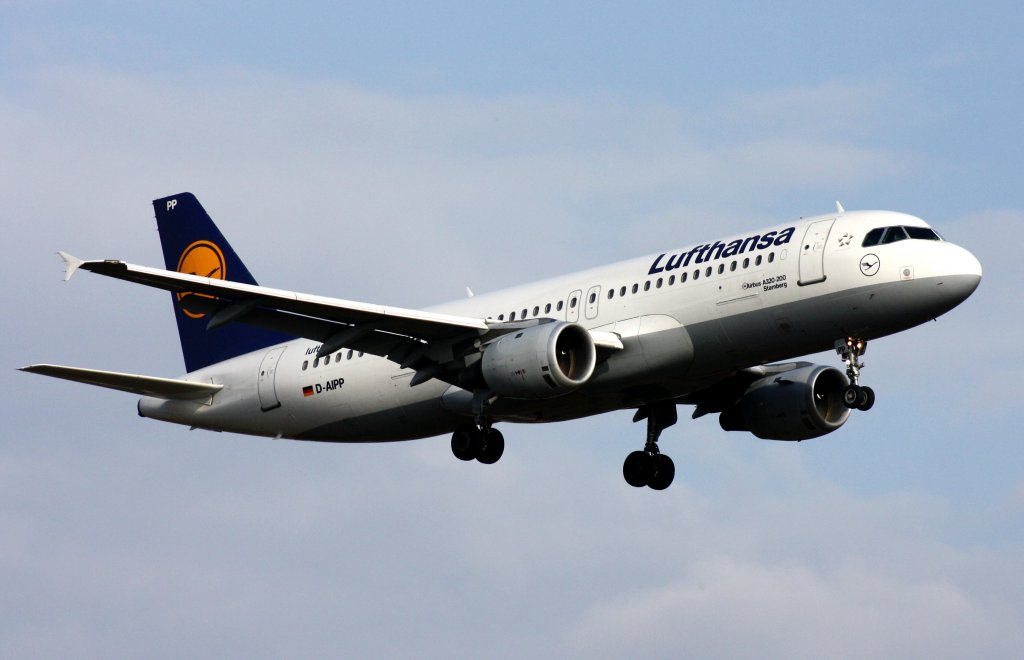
(192, 244)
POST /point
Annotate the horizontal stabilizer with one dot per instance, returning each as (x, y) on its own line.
(162, 388)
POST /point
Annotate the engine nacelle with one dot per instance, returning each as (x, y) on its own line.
(539, 362)
(800, 404)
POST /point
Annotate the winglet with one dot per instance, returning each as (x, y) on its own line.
(71, 264)
(839, 208)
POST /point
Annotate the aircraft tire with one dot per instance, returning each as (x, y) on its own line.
(665, 472)
(638, 469)
(467, 442)
(494, 447)
(851, 396)
(867, 399)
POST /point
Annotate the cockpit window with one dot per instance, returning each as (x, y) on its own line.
(924, 233)
(883, 235)
(873, 237)
(893, 234)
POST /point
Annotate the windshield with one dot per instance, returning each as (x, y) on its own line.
(884, 235)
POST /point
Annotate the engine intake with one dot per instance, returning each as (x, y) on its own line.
(799, 404)
(539, 362)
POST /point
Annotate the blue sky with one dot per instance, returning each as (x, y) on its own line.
(398, 152)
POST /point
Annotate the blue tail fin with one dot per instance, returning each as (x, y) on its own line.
(193, 244)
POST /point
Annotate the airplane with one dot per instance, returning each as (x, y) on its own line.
(715, 325)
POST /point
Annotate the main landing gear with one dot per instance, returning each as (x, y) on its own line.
(855, 396)
(482, 443)
(650, 467)
(479, 441)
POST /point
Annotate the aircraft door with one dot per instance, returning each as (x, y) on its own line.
(266, 387)
(572, 306)
(593, 300)
(812, 252)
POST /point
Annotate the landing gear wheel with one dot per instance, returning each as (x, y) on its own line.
(494, 447)
(467, 442)
(855, 396)
(638, 469)
(852, 396)
(665, 472)
(867, 398)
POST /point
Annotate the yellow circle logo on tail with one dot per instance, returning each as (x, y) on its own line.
(204, 259)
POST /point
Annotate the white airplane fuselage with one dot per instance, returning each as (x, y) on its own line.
(754, 300)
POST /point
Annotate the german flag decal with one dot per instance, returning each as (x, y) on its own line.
(307, 390)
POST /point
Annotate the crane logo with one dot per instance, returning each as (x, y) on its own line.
(204, 259)
(869, 264)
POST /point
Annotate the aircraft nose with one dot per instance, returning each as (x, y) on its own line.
(962, 274)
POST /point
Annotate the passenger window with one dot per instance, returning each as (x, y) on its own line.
(659, 283)
(636, 287)
(501, 317)
(593, 298)
(305, 365)
(696, 274)
(349, 356)
(707, 272)
(316, 363)
(622, 291)
(547, 308)
(337, 357)
(536, 310)
(672, 279)
(559, 306)
(524, 314)
(757, 260)
(746, 262)
(873, 237)
(771, 257)
(682, 278)
(647, 285)
(360, 354)
(572, 303)
(611, 293)
(512, 316)
(893, 234)
(721, 268)
(732, 266)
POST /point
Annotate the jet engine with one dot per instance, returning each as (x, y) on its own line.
(539, 362)
(799, 404)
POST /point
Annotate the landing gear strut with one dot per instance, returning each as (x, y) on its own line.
(855, 395)
(650, 467)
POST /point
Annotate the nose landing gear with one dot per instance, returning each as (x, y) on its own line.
(855, 396)
(650, 467)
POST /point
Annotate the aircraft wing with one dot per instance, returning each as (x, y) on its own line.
(425, 325)
(162, 388)
(428, 342)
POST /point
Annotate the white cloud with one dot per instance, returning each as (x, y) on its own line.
(725, 607)
(351, 166)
